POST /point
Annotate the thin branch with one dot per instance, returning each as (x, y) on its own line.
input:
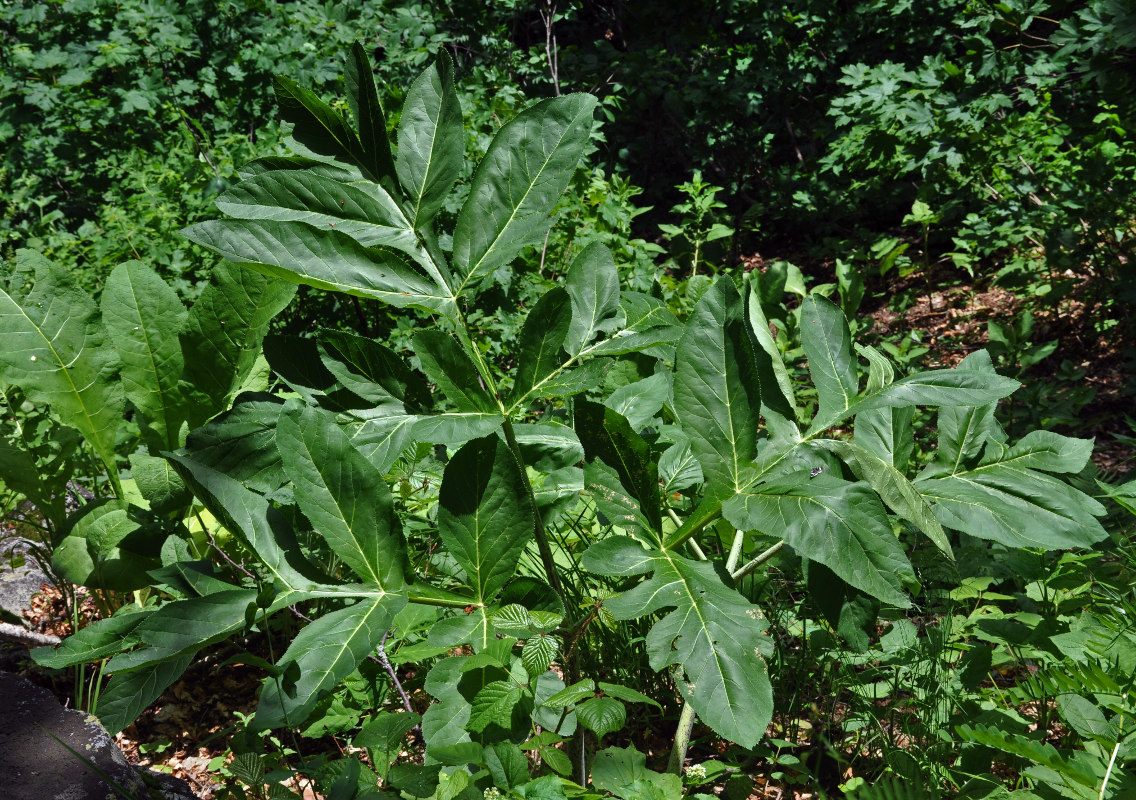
(14, 633)
(548, 16)
(386, 664)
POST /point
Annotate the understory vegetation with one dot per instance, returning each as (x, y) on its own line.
(718, 399)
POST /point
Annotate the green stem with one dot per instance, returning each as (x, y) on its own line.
(735, 551)
(440, 602)
(1111, 760)
(685, 722)
(682, 739)
(756, 562)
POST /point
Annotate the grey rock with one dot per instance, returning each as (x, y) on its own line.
(37, 766)
(17, 585)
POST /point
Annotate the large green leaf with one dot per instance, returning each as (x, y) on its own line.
(110, 546)
(183, 627)
(321, 128)
(241, 443)
(100, 639)
(648, 323)
(363, 211)
(456, 428)
(980, 486)
(888, 434)
(616, 504)
(840, 524)
(712, 632)
(144, 317)
(606, 435)
(484, 518)
(939, 387)
(828, 345)
(548, 446)
(778, 403)
(54, 350)
(443, 724)
(965, 430)
(127, 695)
(363, 97)
(593, 286)
(262, 528)
(372, 371)
(893, 487)
(1004, 497)
(640, 401)
(450, 367)
(224, 333)
(324, 653)
(323, 258)
(327, 169)
(541, 346)
(343, 495)
(381, 439)
(528, 165)
(431, 140)
(716, 393)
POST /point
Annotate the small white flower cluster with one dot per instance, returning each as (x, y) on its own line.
(696, 773)
(492, 793)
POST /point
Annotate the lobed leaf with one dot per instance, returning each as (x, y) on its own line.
(840, 524)
(712, 632)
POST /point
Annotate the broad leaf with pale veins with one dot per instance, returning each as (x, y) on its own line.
(528, 166)
(712, 632)
(55, 350)
(344, 496)
(717, 398)
(484, 517)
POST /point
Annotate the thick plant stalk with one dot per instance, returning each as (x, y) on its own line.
(756, 562)
(735, 551)
(682, 739)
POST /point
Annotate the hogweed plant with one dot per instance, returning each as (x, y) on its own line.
(676, 487)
